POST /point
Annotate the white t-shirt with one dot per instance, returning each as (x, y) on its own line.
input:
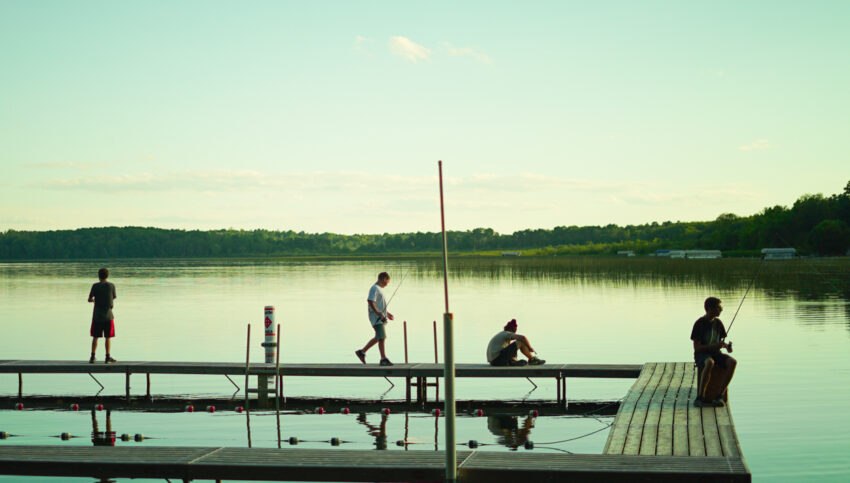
(376, 294)
(497, 343)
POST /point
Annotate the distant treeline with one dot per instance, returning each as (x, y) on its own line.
(814, 224)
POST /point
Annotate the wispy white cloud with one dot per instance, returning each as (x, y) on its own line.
(467, 51)
(366, 202)
(410, 50)
(755, 145)
(70, 165)
(361, 44)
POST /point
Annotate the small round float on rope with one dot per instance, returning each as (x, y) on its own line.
(345, 410)
(99, 407)
(472, 444)
(386, 411)
(293, 440)
(335, 441)
(399, 442)
(320, 410)
(435, 412)
(529, 444)
(210, 409)
(240, 409)
(19, 406)
(189, 408)
(4, 434)
(75, 407)
(125, 437)
(139, 437)
(533, 413)
(65, 436)
(479, 412)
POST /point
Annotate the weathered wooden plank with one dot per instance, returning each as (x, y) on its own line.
(635, 432)
(489, 467)
(293, 464)
(696, 441)
(664, 442)
(680, 413)
(649, 436)
(710, 432)
(620, 427)
(321, 370)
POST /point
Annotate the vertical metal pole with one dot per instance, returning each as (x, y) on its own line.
(436, 361)
(247, 364)
(148, 390)
(20, 385)
(406, 379)
(405, 342)
(127, 385)
(277, 381)
(448, 353)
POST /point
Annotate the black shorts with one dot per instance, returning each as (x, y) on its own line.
(506, 356)
(103, 328)
(721, 360)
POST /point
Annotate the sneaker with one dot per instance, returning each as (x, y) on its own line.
(360, 355)
(91, 359)
(386, 362)
(536, 361)
(517, 363)
(110, 360)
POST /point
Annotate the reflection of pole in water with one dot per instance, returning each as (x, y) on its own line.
(508, 430)
(102, 438)
(406, 428)
(379, 431)
(436, 434)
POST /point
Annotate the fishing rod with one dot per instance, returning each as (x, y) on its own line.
(761, 264)
(397, 287)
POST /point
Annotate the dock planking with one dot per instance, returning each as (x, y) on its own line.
(272, 464)
(658, 418)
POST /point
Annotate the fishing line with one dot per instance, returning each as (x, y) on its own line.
(397, 287)
(761, 264)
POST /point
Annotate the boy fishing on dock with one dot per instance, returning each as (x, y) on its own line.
(503, 347)
(102, 321)
(378, 317)
(708, 335)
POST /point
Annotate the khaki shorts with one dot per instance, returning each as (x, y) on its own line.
(380, 333)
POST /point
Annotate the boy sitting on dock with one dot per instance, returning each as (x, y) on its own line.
(378, 316)
(503, 348)
(102, 320)
(708, 335)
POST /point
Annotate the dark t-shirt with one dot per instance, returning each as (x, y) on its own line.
(707, 332)
(103, 293)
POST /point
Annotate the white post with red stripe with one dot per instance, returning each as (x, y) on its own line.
(271, 346)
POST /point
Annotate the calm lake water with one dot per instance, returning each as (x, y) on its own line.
(792, 341)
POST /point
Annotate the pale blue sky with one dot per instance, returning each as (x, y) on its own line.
(330, 116)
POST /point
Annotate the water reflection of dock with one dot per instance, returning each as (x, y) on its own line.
(657, 435)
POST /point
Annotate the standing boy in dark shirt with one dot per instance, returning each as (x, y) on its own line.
(708, 335)
(102, 321)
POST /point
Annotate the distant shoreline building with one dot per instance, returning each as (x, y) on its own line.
(695, 254)
(778, 253)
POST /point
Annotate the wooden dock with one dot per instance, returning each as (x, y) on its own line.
(419, 373)
(657, 435)
(272, 464)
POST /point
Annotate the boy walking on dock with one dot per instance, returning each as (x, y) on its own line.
(708, 335)
(102, 321)
(378, 317)
(503, 348)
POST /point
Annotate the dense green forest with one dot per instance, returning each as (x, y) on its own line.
(815, 224)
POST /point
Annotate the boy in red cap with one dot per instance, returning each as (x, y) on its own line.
(503, 347)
